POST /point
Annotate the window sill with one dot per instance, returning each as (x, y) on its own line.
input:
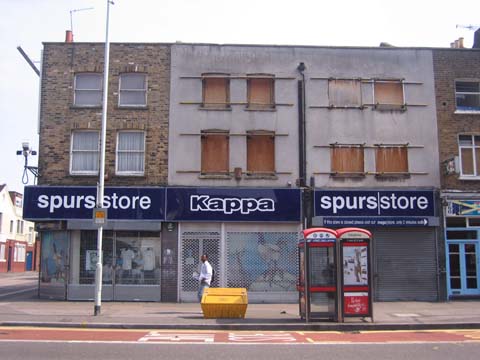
(390, 107)
(467, 111)
(85, 107)
(207, 176)
(393, 175)
(264, 109)
(213, 108)
(130, 175)
(83, 174)
(469, 178)
(260, 176)
(132, 107)
(343, 175)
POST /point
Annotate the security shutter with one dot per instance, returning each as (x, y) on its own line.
(405, 265)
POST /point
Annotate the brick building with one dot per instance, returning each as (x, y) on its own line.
(209, 149)
(457, 88)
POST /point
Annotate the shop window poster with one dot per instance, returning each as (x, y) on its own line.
(54, 258)
(355, 265)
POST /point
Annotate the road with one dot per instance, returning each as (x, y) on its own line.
(18, 287)
(60, 343)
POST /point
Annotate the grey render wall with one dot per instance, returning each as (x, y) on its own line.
(416, 126)
(185, 151)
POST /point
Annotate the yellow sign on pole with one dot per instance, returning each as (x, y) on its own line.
(99, 216)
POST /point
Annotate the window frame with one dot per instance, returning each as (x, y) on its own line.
(351, 172)
(466, 109)
(206, 169)
(84, 172)
(260, 172)
(117, 152)
(333, 93)
(254, 78)
(475, 161)
(76, 90)
(382, 172)
(206, 77)
(384, 105)
(144, 90)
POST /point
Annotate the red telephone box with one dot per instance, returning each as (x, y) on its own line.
(318, 274)
(356, 282)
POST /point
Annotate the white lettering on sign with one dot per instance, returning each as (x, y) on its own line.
(205, 203)
(58, 202)
(392, 201)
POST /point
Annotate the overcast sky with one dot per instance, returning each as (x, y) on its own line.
(28, 23)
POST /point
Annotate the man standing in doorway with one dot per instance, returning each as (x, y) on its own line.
(205, 276)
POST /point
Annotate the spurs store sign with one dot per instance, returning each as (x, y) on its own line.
(374, 203)
(171, 204)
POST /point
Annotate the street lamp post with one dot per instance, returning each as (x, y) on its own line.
(101, 183)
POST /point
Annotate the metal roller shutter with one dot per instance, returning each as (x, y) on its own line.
(405, 265)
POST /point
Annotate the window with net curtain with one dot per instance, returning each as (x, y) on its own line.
(131, 153)
(133, 90)
(85, 151)
(88, 89)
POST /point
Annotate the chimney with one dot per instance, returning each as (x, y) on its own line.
(69, 36)
(460, 43)
(476, 39)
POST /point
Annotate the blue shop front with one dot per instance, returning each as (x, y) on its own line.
(154, 236)
(407, 245)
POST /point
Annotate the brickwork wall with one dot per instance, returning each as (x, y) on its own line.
(58, 116)
(449, 65)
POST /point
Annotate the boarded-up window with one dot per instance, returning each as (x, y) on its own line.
(215, 152)
(389, 92)
(392, 159)
(216, 91)
(344, 93)
(347, 159)
(469, 155)
(260, 152)
(260, 92)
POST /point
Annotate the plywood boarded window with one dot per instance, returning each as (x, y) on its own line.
(344, 93)
(346, 159)
(215, 152)
(392, 159)
(469, 155)
(261, 152)
(260, 92)
(216, 92)
(389, 92)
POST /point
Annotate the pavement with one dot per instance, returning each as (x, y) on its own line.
(32, 311)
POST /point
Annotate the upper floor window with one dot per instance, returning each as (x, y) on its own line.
(131, 153)
(260, 153)
(19, 227)
(85, 152)
(391, 160)
(467, 95)
(343, 92)
(388, 94)
(133, 90)
(12, 224)
(469, 149)
(215, 152)
(260, 92)
(215, 91)
(347, 159)
(88, 89)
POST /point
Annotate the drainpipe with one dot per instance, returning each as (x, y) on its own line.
(302, 158)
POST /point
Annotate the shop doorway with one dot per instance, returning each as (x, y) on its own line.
(193, 245)
(463, 268)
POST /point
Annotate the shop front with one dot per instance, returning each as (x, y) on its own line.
(154, 237)
(405, 231)
(462, 237)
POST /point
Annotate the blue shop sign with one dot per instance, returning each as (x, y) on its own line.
(63, 203)
(392, 203)
(233, 204)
